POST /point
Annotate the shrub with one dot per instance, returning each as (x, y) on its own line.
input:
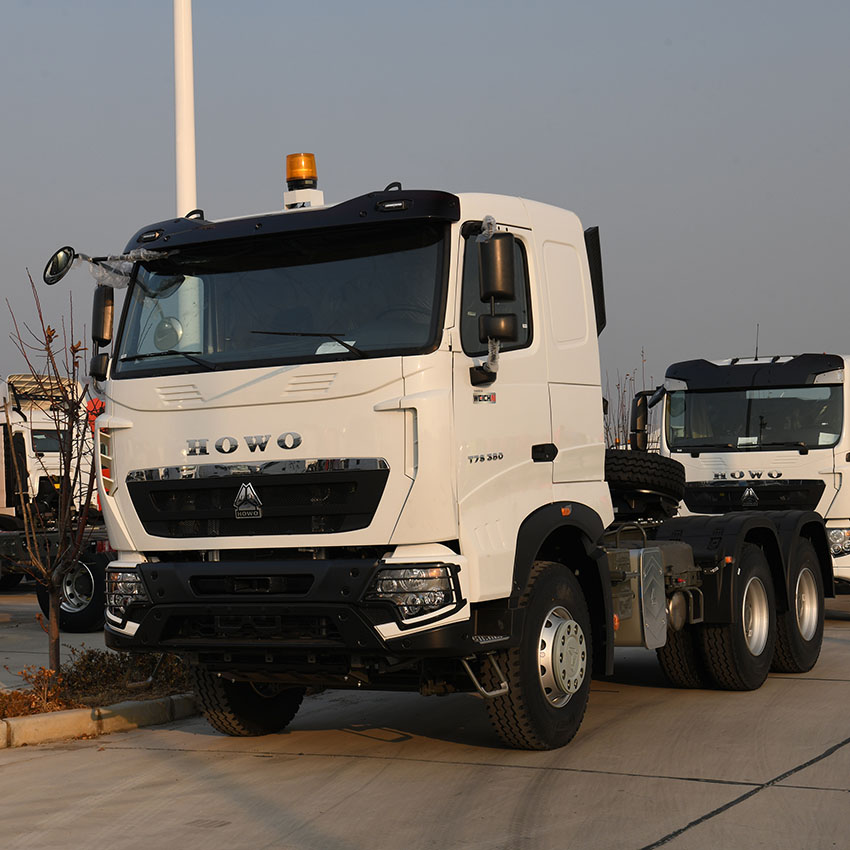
(94, 677)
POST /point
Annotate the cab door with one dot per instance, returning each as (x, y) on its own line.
(500, 427)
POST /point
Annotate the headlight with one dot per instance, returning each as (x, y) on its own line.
(124, 588)
(839, 541)
(414, 590)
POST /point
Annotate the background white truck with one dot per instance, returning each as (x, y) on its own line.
(361, 446)
(767, 433)
(33, 434)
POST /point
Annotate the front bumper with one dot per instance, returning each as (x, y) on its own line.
(289, 615)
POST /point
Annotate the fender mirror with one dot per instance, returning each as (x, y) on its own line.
(59, 265)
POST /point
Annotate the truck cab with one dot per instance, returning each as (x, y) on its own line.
(765, 433)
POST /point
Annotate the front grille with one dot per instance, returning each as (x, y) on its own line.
(718, 497)
(312, 502)
(307, 629)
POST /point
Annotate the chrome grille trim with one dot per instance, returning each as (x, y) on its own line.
(272, 467)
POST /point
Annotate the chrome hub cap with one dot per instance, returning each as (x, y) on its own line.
(806, 604)
(562, 657)
(756, 616)
(77, 588)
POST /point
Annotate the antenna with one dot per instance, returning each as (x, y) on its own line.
(757, 340)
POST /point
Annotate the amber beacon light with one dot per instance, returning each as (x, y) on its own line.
(301, 171)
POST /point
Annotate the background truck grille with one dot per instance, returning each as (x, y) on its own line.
(720, 497)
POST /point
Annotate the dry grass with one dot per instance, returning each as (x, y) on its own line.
(95, 677)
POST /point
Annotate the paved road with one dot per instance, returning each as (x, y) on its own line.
(650, 767)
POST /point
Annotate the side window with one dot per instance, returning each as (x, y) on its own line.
(472, 307)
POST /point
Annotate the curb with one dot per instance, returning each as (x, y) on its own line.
(92, 722)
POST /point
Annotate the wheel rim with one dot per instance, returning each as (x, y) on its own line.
(562, 660)
(756, 616)
(77, 589)
(806, 603)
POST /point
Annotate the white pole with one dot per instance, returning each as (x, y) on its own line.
(184, 107)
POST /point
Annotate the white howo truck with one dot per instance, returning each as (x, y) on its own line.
(360, 445)
(767, 433)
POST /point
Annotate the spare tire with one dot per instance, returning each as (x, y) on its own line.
(644, 471)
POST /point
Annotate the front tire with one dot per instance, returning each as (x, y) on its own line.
(548, 674)
(82, 597)
(8, 581)
(244, 709)
(739, 654)
(799, 633)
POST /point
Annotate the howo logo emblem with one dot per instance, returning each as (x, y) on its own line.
(750, 498)
(738, 474)
(247, 503)
(255, 442)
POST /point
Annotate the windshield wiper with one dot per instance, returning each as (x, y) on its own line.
(335, 337)
(189, 355)
(787, 444)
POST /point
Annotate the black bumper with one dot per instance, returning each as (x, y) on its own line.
(280, 613)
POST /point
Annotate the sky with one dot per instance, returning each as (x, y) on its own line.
(708, 141)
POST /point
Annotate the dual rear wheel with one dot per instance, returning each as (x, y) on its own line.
(739, 655)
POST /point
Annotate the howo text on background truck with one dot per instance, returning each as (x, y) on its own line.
(361, 445)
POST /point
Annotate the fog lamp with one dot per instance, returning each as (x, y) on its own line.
(414, 590)
(124, 588)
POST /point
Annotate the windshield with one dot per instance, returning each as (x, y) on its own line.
(772, 418)
(46, 440)
(309, 296)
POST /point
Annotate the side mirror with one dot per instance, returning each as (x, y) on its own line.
(638, 437)
(59, 265)
(504, 328)
(103, 309)
(98, 366)
(496, 268)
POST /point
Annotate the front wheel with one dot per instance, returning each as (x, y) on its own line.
(548, 674)
(82, 596)
(244, 709)
(739, 654)
(799, 632)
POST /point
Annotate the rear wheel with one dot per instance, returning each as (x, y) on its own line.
(680, 659)
(738, 655)
(548, 674)
(799, 632)
(245, 709)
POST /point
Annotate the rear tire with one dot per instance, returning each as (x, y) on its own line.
(799, 632)
(680, 659)
(244, 709)
(738, 655)
(548, 674)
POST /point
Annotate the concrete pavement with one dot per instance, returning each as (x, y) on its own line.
(650, 767)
